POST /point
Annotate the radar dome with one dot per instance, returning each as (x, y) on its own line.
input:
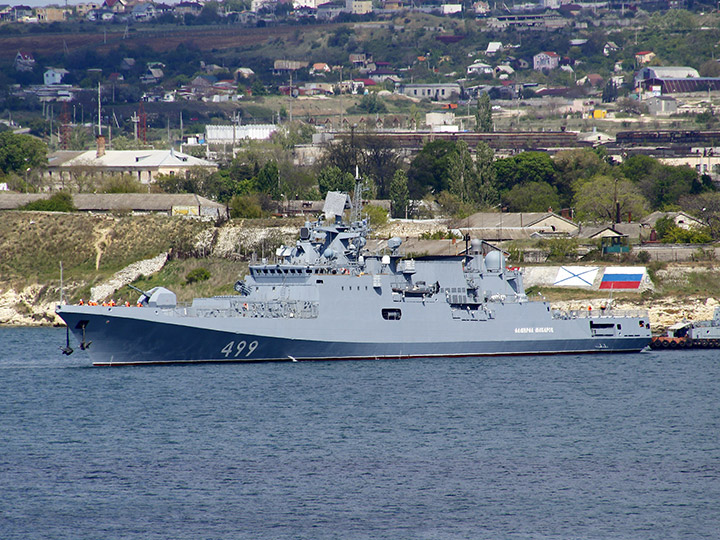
(494, 261)
(394, 242)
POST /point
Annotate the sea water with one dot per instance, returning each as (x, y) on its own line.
(548, 447)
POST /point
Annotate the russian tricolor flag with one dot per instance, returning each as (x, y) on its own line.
(622, 277)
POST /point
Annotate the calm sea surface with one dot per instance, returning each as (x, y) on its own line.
(566, 447)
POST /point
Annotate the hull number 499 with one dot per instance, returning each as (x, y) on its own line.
(242, 348)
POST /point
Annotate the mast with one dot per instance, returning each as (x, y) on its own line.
(357, 197)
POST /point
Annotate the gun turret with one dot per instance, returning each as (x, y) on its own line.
(146, 295)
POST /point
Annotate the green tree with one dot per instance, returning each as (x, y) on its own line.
(399, 195)
(333, 179)
(574, 166)
(523, 168)
(378, 162)
(483, 114)
(670, 233)
(595, 199)
(532, 197)
(19, 152)
(125, 183)
(245, 206)
(377, 215)
(342, 154)
(430, 170)
(461, 170)
(371, 104)
(483, 192)
(669, 185)
(268, 180)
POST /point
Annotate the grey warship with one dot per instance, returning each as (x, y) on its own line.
(328, 298)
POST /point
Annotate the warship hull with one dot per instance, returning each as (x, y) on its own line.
(119, 336)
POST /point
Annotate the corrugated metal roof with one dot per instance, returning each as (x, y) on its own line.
(678, 86)
(11, 201)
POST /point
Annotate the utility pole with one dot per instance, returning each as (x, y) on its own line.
(342, 109)
(135, 119)
(291, 98)
(99, 124)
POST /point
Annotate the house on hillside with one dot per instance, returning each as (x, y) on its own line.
(51, 14)
(188, 8)
(330, 10)
(84, 8)
(243, 73)
(144, 11)
(320, 68)
(5, 12)
(609, 48)
(358, 7)
(281, 67)
(431, 91)
(546, 60)
(116, 6)
(494, 47)
(661, 105)
(21, 13)
(644, 57)
(54, 76)
(594, 80)
(153, 75)
(503, 72)
(24, 61)
(479, 68)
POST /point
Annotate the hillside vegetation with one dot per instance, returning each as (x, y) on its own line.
(93, 248)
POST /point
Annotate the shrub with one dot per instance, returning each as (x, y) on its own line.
(643, 257)
(199, 274)
(377, 215)
(245, 206)
(560, 249)
(60, 202)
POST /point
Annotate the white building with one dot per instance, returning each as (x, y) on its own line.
(54, 76)
(231, 134)
(358, 7)
(143, 165)
(431, 91)
(494, 47)
(479, 68)
(449, 9)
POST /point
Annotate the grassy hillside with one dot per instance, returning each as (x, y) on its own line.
(91, 248)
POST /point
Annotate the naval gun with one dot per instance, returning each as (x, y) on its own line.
(159, 297)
